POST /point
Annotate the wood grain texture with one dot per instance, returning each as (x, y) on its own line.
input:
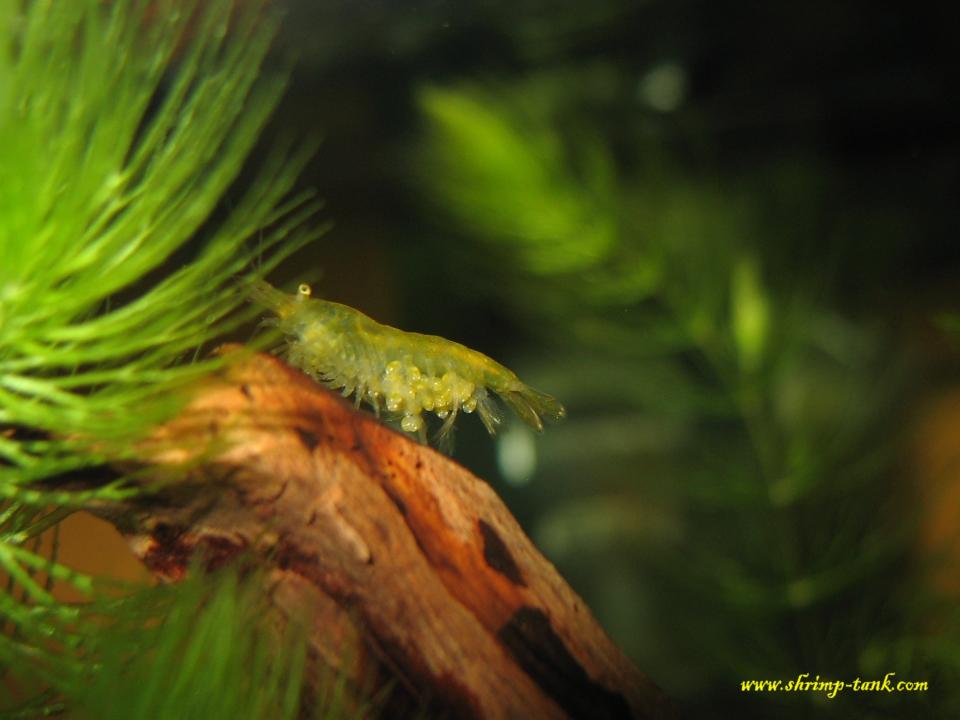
(409, 567)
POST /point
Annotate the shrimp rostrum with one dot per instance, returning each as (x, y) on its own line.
(401, 373)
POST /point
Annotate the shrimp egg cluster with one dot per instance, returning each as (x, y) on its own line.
(408, 392)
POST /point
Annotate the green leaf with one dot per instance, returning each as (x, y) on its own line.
(751, 314)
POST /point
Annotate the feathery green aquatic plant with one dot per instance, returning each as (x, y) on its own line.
(123, 127)
(210, 656)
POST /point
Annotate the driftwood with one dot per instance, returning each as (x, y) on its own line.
(409, 568)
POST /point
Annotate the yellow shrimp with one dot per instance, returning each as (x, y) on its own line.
(404, 373)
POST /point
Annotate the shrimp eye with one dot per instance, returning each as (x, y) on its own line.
(304, 290)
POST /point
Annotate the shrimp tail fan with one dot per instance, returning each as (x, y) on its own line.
(489, 412)
(533, 406)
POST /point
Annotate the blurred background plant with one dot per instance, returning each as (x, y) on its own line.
(719, 235)
(724, 494)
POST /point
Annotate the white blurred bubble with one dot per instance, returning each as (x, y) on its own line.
(517, 455)
(664, 87)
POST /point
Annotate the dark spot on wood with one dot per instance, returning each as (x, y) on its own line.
(395, 499)
(383, 531)
(315, 570)
(309, 440)
(450, 698)
(174, 548)
(537, 649)
(247, 392)
(84, 478)
(230, 474)
(218, 551)
(169, 554)
(313, 518)
(497, 556)
(168, 562)
(166, 533)
(272, 499)
(437, 696)
(419, 464)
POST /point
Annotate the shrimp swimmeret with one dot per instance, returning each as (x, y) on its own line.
(402, 372)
